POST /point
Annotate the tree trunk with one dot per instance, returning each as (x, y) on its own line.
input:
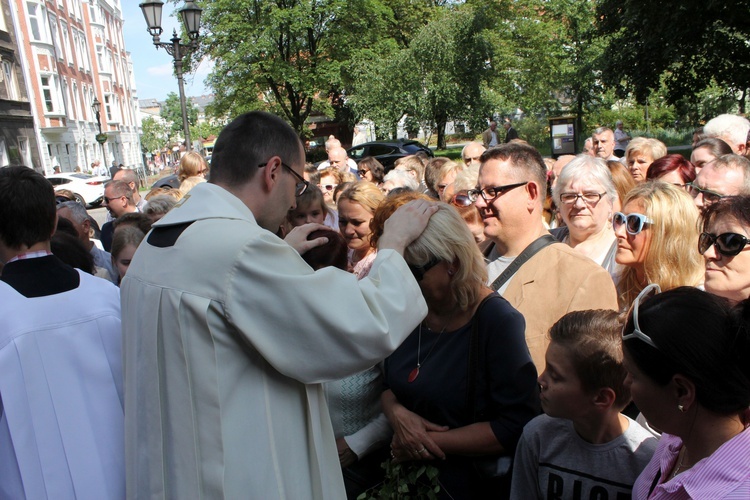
(441, 132)
(742, 102)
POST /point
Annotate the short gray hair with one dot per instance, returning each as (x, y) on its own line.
(728, 127)
(77, 211)
(160, 204)
(586, 167)
(402, 178)
(735, 162)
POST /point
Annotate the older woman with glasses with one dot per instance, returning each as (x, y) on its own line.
(585, 194)
(688, 360)
(462, 386)
(724, 246)
(656, 234)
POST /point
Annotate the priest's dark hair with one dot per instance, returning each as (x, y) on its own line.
(251, 140)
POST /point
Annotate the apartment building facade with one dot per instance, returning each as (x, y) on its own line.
(18, 144)
(74, 55)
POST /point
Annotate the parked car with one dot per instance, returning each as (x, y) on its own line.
(87, 189)
(170, 181)
(387, 152)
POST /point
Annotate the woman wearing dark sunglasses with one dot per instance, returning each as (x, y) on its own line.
(656, 233)
(448, 407)
(688, 360)
(724, 246)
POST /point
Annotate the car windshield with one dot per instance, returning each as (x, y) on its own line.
(81, 176)
(413, 147)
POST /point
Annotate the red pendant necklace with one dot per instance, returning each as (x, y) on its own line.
(415, 372)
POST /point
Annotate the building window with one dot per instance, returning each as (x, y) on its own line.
(50, 93)
(3, 26)
(108, 107)
(66, 42)
(9, 75)
(36, 22)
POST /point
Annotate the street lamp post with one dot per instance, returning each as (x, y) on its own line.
(100, 138)
(191, 17)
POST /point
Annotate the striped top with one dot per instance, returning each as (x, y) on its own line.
(723, 475)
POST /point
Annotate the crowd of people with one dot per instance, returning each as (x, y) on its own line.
(570, 328)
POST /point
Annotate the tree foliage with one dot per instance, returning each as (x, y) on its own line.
(692, 44)
(172, 114)
(153, 135)
(437, 78)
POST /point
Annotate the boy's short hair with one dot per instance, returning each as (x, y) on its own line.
(28, 209)
(594, 342)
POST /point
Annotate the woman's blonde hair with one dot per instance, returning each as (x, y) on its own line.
(646, 146)
(446, 238)
(672, 259)
(364, 193)
(191, 165)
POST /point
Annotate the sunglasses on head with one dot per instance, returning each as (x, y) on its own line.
(461, 200)
(637, 333)
(726, 244)
(634, 223)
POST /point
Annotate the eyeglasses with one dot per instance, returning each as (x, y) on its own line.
(472, 159)
(302, 184)
(419, 271)
(708, 195)
(327, 187)
(461, 200)
(109, 200)
(634, 223)
(362, 172)
(588, 198)
(490, 194)
(727, 244)
(637, 333)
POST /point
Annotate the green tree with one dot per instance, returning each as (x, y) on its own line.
(172, 114)
(204, 130)
(153, 135)
(439, 77)
(284, 56)
(692, 45)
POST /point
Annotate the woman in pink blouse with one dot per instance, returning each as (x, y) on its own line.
(688, 359)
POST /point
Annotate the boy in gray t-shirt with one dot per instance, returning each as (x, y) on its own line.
(583, 447)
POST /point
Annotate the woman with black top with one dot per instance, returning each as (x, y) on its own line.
(458, 407)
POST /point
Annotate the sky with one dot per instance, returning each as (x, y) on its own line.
(153, 68)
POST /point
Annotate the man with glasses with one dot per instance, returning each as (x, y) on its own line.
(118, 200)
(728, 175)
(230, 334)
(555, 279)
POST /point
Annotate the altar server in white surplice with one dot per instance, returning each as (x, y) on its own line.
(61, 397)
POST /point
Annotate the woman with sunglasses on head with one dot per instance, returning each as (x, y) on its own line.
(451, 405)
(192, 170)
(656, 234)
(688, 360)
(724, 246)
(356, 205)
(328, 179)
(585, 196)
